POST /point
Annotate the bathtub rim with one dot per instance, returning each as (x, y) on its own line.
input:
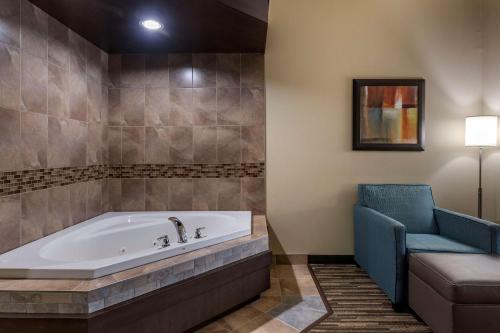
(92, 269)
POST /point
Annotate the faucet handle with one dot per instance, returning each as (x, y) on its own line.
(165, 241)
(197, 233)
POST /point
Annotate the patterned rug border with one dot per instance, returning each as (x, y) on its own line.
(357, 304)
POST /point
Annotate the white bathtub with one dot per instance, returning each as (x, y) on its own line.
(113, 242)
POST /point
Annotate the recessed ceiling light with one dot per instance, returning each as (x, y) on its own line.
(151, 24)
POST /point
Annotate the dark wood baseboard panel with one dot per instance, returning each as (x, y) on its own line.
(331, 259)
(222, 315)
(176, 308)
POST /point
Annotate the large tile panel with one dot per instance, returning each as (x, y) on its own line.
(67, 143)
(10, 221)
(10, 77)
(34, 216)
(10, 15)
(34, 137)
(34, 83)
(10, 140)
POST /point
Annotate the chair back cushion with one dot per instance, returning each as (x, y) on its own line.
(409, 204)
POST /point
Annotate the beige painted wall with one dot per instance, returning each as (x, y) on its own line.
(314, 50)
(491, 99)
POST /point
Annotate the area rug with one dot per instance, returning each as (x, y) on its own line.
(358, 304)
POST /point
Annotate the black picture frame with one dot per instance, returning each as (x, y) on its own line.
(358, 84)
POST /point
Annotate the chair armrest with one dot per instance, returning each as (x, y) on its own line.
(468, 229)
(380, 249)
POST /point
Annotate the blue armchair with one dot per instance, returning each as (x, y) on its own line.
(391, 221)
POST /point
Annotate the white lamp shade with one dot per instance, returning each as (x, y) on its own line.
(481, 131)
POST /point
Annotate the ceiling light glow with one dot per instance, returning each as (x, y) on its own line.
(151, 24)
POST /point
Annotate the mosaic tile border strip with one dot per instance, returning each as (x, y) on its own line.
(253, 170)
(15, 182)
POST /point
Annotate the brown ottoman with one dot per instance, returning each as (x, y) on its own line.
(456, 292)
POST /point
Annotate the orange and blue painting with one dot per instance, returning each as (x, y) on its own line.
(389, 115)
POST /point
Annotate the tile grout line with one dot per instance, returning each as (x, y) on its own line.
(21, 162)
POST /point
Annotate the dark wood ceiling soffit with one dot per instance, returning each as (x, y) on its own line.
(189, 25)
(255, 9)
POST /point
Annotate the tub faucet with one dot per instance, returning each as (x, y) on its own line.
(181, 231)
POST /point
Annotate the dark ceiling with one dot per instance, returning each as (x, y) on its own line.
(189, 25)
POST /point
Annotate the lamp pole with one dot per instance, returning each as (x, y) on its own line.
(480, 189)
(481, 132)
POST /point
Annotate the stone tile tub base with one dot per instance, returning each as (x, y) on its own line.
(175, 308)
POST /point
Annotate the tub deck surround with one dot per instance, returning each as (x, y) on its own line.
(83, 297)
(177, 308)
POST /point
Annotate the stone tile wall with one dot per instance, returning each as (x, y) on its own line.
(53, 106)
(83, 132)
(187, 109)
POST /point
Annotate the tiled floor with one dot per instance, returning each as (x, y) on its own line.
(291, 304)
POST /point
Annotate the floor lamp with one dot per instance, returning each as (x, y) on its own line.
(481, 132)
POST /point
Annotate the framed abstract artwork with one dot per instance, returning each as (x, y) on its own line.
(388, 114)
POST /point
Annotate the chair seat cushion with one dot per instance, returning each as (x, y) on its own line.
(436, 243)
(460, 278)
